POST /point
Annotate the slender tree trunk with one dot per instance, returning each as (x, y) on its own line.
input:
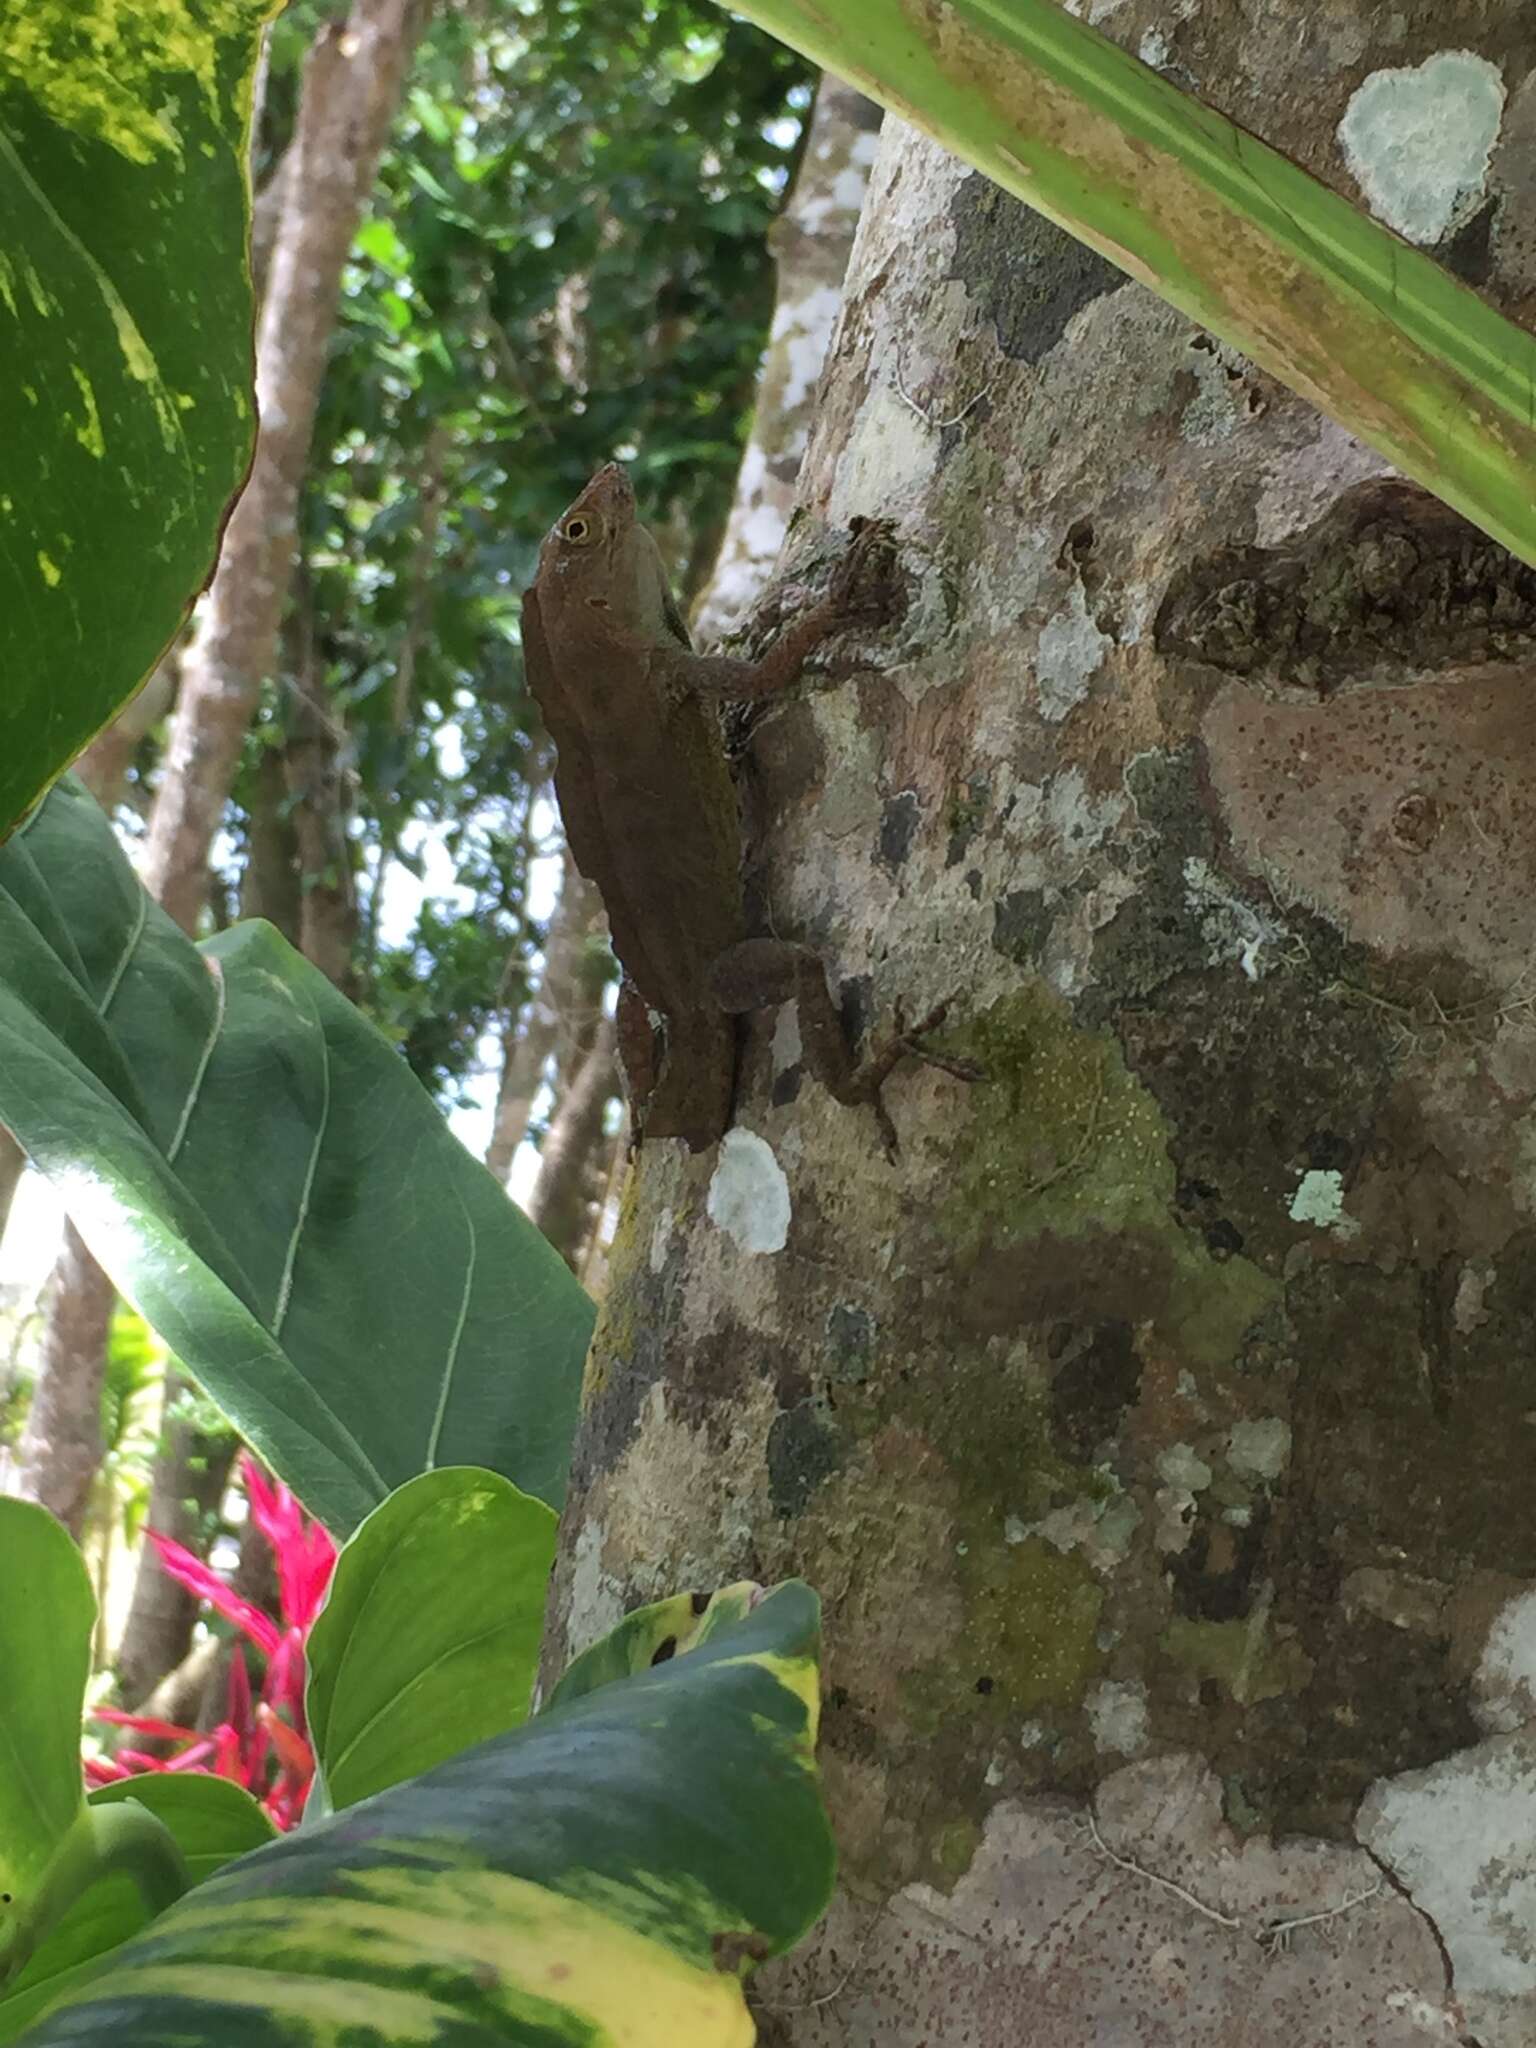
(190, 1476)
(315, 761)
(270, 878)
(1158, 1427)
(61, 1445)
(104, 765)
(811, 240)
(353, 78)
(573, 1162)
(559, 1018)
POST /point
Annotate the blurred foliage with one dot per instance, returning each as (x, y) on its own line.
(566, 263)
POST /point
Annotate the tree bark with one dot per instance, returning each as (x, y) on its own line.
(573, 1162)
(189, 1479)
(811, 241)
(61, 1445)
(1157, 1429)
(560, 1017)
(104, 765)
(353, 79)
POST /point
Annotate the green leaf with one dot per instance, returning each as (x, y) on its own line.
(47, 1612)
(212, 1820)
(606, 1873)
(267, 1184)
(647, 1636)
(126, 414)
(428, 1641)
(1232, 233)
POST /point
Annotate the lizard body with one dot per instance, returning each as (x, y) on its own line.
(650, 808)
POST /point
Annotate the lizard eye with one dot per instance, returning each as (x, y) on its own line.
(577, 529)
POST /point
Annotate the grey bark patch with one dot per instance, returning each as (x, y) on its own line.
(1021, 924)
(1095, 1376)
(1050, 276)
(850, 1341)
(803, 1452)
(900, 816)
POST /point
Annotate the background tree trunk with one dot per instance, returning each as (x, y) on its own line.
(60, 1448)
(572, 1168)
(811, 240)
(1157, 1429)
(558, 1020)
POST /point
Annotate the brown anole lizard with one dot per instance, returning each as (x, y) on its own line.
(650, 810)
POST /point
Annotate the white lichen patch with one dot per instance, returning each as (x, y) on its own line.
(597, 1597)
(1230, 928)
(1117, 1717)
(749, 1195)
(1183, 1475)
(1505, 1685)
(1220, 404)
(1417, 141)
(1319, 1200)
(1178, 1466)
(1460, 1837)
(1099, 1530)
(1260, 1449)
(661, 1239)
(1071, 652)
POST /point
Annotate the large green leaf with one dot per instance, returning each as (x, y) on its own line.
(605, 1874)
(47, 1611)
(1234, 234)
(212, 1820)
(126, 416)
(428, 1641)
(273, 1191)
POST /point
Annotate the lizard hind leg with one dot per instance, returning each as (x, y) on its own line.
(760, 972)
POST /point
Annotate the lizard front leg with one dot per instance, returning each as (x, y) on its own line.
(863, 592)
(761, 972)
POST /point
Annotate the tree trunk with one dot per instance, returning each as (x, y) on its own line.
(352, 84)
(190, 1476)
(104, 765)
(572, 1166)
(559, 1018)
(61, 1445)
(353, 78)
(1158, 1429)
(811, 240)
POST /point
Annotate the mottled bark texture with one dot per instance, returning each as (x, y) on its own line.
(811, 241)
(1159, 1429)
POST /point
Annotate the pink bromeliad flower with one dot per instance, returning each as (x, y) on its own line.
(261, 1743)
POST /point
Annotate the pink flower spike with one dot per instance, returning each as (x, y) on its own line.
(303, 1551)
(193, 1759)
(192, 1573)
(284, 1686)
(144, 1724)
(104, 1770)
(293, 1751)
(239, 1709)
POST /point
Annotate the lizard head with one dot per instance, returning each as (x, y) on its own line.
(598, 559)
